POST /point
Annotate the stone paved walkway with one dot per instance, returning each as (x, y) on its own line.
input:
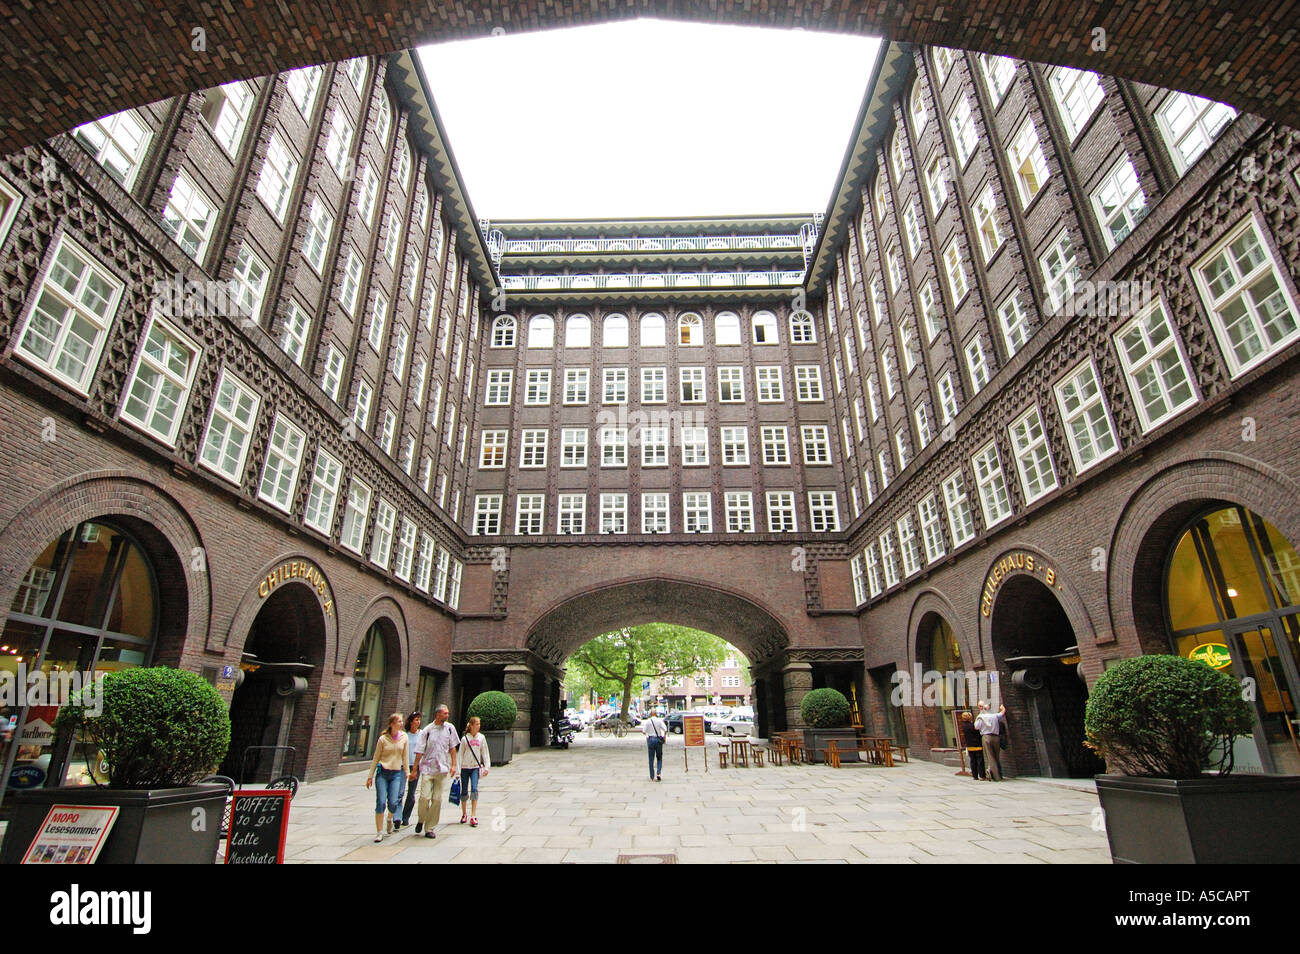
(595, 802)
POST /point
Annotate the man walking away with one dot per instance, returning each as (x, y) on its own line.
(656, 733)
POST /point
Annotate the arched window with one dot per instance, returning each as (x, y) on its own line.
(503, 332)
(365, 721)
(918, 108)
(652, 331)
(541, 332)
(726, 328)
(802, 329)
(690, 329)
(615, 335)
(577, 332)
(764, 328)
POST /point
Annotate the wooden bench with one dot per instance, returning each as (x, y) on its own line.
(722, 756)
(756, 753)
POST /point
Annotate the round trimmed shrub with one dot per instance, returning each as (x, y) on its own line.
(1164, 716)
(825, 709)
(495, 710)
(157, 727)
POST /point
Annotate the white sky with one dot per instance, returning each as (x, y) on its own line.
(649, 118)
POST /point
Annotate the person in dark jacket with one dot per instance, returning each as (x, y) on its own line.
(970, 738)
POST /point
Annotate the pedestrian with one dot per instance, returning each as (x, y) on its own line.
(475, 760)
(970, 737)
(656, 734)
(989, 725)
(413, 723)
(435, 765)
(389, 764)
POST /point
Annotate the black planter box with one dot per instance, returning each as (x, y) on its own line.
(816, 739)
(501, 746)
(154, 826)
(1237, 819)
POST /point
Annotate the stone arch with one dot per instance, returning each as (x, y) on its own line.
(382, 607)
(1158, 511)
(251, 603)
(158, 521)
(1259, 73)
(930, 602)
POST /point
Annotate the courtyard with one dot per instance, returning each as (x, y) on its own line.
(594, 803)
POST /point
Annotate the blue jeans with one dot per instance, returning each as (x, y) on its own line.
(388, 789)
(468, 787)
(410, 801)
(655, 749)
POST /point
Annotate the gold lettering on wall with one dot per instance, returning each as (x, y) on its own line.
(299, 570)
(1018, 562)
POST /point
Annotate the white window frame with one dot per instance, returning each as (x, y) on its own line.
(776, 445)
(991, 484)
(1033, 454)
(323, 498)
(280, 471)
(161, 374)
(781, 515)
(356, 515)
(1088, 426)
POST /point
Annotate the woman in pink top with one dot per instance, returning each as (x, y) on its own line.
(474, 760)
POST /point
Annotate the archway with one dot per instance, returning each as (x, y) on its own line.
(939, 652)
(58, 80)
(274, 706)
(1034, 642)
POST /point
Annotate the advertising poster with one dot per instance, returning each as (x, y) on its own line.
(71, 834)
(693, 728)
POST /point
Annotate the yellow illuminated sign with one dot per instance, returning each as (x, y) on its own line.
(1214, 655)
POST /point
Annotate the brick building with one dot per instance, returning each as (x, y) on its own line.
(724, 685)
(277, 408)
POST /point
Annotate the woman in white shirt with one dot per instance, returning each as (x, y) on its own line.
(474, 760)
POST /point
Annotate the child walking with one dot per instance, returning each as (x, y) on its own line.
(474, 761)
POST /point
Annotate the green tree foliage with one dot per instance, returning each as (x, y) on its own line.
(615, 663)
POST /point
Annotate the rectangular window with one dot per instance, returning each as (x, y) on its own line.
(302, 85)
(770, 389)
(361, 410)
(367, 195)
(573, 447)
(529, 511)
(878, 309)
(613, 447)
(297, 326)
(453, 588)
(1060, 270)
(808, 382)
(1078, 93)
(119, 143)
(440, 575)
(615, 386)
(956, 271)
(397, 354)
(962, 123)
(654, 513)
(1119, 203)
(882, 460)
(731, 385)
(1189, 125)
(1028, 164)
(858, 566)
(692, 381)
(873, 570)
(1249, 305)
(958, 506)
(735, 446)
(276, 181)
(378, 321)
(873, 398)
(538, 390)
(392, 236)
(1014, 323)
(776, 446)
(999, 72)
(283, 460)
(388, 432)
(572, 514)
(250, 283)
(487, 515)
(230, 428)
(405, 551)
(576, 385)
(895, 269)
(887, 559)
(986, 222)
(912, 229)
(356, 69)
(947, 398)
(350, 287)
(977, 365)
(1033, 457)
(492, 450)
(816, 444)
(532, 449)
(695, 446)
(159, 388)
(823, 511)
(613, 513)
(654, 385)
(992, 487)
(780, 512)
(1088, 426)
(904, 447)
(188, 217)
(1157, 372)
(320, 225)
(654, 447)
(930, 315)
(740, 511)
(697, 513)
(499, 383)
(332, 375)
(424, 564)
(339, 142)
(936, 183)
(923, 433)
(908, 341)
(355, 513)
(381, 545)
(908, 546)
(931, 532)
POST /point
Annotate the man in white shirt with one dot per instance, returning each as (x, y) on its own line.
(989, 725)
(435, 766)
(656, 734)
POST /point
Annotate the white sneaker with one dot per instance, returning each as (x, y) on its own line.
(379, 837)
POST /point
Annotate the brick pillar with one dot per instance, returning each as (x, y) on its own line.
(797, 679)
(519, 687)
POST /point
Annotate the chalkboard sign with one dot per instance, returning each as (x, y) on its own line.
(259, 822)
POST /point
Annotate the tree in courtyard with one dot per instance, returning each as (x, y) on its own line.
(614, 662)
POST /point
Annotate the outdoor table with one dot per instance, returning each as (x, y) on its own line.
(880, 753)
(740, 752)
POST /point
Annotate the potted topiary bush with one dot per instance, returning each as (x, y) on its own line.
(157, 730)
(826, 716)
(1160, 722)
(496, 712)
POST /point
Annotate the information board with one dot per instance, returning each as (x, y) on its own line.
(259, 822)
(71, 834)
(693, 729)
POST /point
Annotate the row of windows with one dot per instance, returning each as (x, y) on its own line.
(656, 517)
(1254, 317)
(654, 443)
(653, 330)
(768, 384)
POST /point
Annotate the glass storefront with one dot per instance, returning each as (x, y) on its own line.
(1232, 596)
(945, 656)
(88, 604)
(363, 711)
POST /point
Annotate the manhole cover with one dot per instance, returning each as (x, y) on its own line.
(659, 859)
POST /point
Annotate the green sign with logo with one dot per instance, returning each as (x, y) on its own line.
(1214, 655)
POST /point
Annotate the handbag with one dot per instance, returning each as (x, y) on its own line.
(454, 795)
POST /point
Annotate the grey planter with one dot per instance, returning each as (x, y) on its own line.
(501, 745)
(153, 827)
(1237, 819)
(817, 739)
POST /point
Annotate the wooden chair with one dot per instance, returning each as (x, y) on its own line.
(832, 753)
(722, 756)
(776, 751)
(756, 753)
(900, 750)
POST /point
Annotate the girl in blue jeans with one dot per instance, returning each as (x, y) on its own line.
(389, 764)
(474, 761)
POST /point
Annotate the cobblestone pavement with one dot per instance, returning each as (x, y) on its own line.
(595, 801)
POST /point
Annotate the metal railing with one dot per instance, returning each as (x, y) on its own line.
(666, 243)
(669, 280)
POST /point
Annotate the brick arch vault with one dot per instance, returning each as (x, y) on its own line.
(64, 62)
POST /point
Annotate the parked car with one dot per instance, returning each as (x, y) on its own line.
(742, 724)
